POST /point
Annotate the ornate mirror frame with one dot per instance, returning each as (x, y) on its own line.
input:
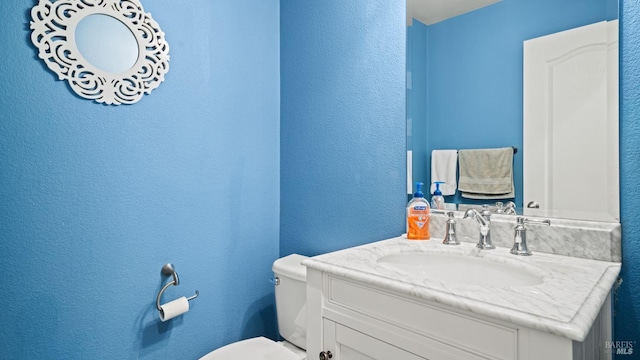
(53, 28)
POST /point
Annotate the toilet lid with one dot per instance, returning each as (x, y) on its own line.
(259, 348)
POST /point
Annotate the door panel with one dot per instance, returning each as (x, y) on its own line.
(571, 120)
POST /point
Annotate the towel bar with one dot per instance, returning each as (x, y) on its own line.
(515, 149)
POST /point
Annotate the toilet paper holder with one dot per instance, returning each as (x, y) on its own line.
(168, 270)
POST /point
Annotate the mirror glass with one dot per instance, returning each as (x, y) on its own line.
(465, 79)
(106, 43)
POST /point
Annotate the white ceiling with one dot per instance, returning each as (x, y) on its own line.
(433, 11)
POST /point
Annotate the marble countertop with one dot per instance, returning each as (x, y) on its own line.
(566, 303)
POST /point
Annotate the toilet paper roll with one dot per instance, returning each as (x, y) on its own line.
(174, 308)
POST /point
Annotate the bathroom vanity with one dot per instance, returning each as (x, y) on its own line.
(400, 299)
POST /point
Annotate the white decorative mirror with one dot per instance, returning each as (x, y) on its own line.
(110, 51)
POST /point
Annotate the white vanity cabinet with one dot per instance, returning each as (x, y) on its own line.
(354, 320)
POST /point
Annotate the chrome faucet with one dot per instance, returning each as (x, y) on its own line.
(450, 230)
(510, 208)
(484, 219)
(520, 235)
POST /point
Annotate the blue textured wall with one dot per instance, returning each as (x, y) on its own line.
(342, 123)
(477, 103)
(95, 199)
(627, 307)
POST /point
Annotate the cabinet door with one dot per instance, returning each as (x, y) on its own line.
(348, 344)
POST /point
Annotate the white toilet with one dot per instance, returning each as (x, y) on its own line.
(291, 299)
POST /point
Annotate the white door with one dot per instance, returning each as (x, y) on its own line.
(571, 121)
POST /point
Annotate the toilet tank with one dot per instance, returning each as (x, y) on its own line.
(291, 298)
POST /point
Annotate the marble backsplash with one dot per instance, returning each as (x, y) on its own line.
(578, 238)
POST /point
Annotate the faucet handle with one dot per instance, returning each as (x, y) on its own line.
(450, 230)
(510, 208)
(520, 234)
(546, 222)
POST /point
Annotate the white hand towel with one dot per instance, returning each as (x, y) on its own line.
(443, 168)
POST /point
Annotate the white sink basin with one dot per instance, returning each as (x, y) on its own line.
(462, 269)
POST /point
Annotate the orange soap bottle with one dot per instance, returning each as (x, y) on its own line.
(418, 216)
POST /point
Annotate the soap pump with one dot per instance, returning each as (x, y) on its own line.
(418, 216)
(437, 200)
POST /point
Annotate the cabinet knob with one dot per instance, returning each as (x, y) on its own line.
(325, 355)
